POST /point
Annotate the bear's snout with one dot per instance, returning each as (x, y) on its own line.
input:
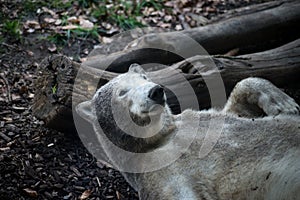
(156, 94)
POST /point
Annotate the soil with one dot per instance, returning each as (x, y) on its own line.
(39, 163)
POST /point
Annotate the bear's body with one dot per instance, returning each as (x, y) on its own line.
(250, 159)
(242, 165)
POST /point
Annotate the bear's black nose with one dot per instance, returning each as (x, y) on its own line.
(157, 94)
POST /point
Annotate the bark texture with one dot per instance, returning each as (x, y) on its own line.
(57, 86)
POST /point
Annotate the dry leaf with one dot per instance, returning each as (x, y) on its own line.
(15, 97)
(53, 48)
(76, 171)
(73, 19)
(31, 24)
(106, 25)
(69, 27)
(113, 30)
(51, 12)
(8, 119)
(211, 10)
(3, 99)
(85, 194)
(199, 19)
(86, 23)
(168, 18)
(31, 30)
(86, 51)
(30, 53)
(58, 22)
(49, 20)
(106, 40)
(154, 20)
(178, 27)
(30, 192)
(83, 59)
(31, 96)
(170, 4)
(164, 25)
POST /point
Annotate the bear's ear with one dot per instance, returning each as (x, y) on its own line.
(136, 68)
(84, 110)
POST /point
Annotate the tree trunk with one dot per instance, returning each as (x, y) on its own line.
(54, 88)
(262, 27)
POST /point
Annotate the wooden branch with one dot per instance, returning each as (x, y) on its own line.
(261, 27)
(55, 86)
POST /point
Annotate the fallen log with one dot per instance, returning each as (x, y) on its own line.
(258, 28)
(57, 80)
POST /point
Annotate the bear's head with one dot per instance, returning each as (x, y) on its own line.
(138, 95)
(131, 111)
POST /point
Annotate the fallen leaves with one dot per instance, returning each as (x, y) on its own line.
(76, 171)
(31, 193)
(99, 21)
(84, 23)
(73, 19)
(106, 40)
(51, 12)
(31, 26)
(85, 194)
(52, 48)
(68, 27)
(55, 24)
(49, 20)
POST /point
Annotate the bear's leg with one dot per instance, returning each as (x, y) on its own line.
(255, 97)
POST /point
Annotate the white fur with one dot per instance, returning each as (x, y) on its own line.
(253, 158)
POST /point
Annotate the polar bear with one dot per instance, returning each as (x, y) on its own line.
(253, 158)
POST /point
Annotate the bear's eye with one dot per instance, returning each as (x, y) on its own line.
(122, 92)
(144, 77)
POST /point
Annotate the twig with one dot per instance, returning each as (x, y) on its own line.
(9, 46)
(7, 86)
(6, 138)
(98, 181)
(13, 47)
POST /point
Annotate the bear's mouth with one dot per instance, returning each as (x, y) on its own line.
(141, 121)
(155, 109)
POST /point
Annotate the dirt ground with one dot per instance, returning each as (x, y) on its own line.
(39, 163)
